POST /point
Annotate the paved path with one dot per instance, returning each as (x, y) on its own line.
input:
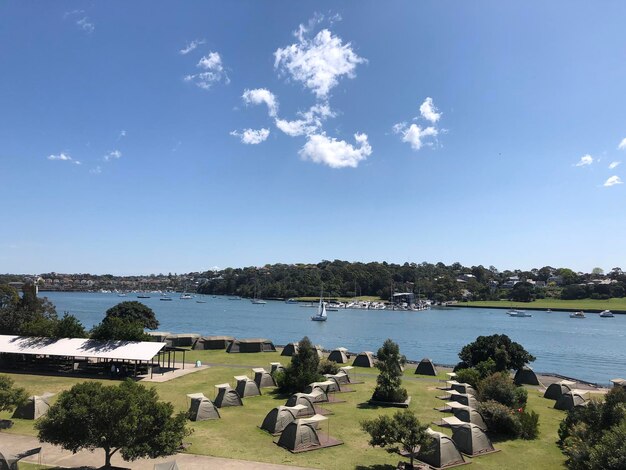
(55, 456)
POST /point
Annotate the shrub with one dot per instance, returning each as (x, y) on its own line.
(470, 376)
(499, 419)
(328, 367)
(500, 387)
(390, 363)
(529, 425)
(505, 353)
(303, 369)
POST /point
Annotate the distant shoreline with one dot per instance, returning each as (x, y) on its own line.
(528, 307)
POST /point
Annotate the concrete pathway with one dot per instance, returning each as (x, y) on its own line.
(56, 456)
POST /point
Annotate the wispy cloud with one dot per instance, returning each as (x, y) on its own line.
(319, 63)
(63, 157)
(252, 136)
(86, 25)
(122, 134)
(428, 110)
(259, 96)
(96, 171)
(113, 155)
(213, 72)
(614, 165)
(336, 153)
(622, 144)
(309, 123)
(612, 181)
(191, 46)
(585, 160)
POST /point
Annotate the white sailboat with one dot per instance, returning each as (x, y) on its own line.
(321, 311)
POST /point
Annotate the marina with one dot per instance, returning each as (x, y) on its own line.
(592, 350)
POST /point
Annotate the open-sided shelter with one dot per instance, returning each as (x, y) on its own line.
(426, 367)
(179, 340)
(278, 418)
(441, 452)
(301, 434)
(470, 415)
(251, 345)
(227, 396)
(34, 407)
(464, 399)
(556, 389)
(263, 378)
(364, 359)
(201, 408)
(171, 465)
(526, 376)
(339, 356)
(246, 387)
(290, 350)
(471, 440)
(570, 400)
(10, 461)
(305, 399)
(213, 342)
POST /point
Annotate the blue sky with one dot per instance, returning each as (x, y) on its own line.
(140, 137)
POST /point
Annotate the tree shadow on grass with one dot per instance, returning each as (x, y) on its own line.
(375, 467)
(278, 395)
(366, 405)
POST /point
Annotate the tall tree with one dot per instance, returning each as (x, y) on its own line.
(127, 418)
(10, 396)
(134, 311)
(505, 353)
(388, 383)
(303, 369)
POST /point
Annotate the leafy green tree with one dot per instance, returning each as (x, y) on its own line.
(522, 292)
(389, 380)
(303, 369)
(500, 387)
(8, 297)
(69, 327)
(506, 354)
(403, 429)
(610, 453)
(127, 418)
(119, 329)
(10, 396)
(134, 311)
(29, 315)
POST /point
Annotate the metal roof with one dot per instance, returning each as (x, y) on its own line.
(77, 347)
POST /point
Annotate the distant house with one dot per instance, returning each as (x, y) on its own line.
(510, 282)
(558, 280)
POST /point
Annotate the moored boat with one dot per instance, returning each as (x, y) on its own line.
(518, 313)
(579, 314)
(606, 314)
(321, 312)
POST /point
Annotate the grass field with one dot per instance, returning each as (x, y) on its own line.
(237, 435)
(614, 304)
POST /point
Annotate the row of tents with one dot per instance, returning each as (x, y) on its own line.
(229, 343)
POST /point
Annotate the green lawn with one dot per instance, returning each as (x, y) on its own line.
(614, 304)
(237, 435)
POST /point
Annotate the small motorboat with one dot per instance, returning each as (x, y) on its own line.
(258, 301)
(143, 296)
(165, 298)
(606, 314)
(201, 301)
(579, 314)
(518, 313)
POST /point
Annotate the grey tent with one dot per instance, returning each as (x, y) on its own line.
(462, 387)
(328, 386)
(347, 370)
(464, 399)
(619, 382)
(201, 408)
(263, 378)
(290, 350)
(276, 367)
(470, 415)
(306, 399)
(301, 434)
(570, 400)
(158, 336)
(426, 367)
(364, 359)
(339, 356)
(278, 418)
(526, 376)
(441, 452)
(9, 461)
(251, 345)
(181, 339)
(227, 396)
(246, 387)
(320, 351)
(34, 407)
(555, 390)
(213, 342)
(341, 378)
(471, 440)
(166, 466)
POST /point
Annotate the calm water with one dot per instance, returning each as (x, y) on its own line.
(592, 349)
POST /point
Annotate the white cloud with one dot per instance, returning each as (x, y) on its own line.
(414, 134)
(613, 165)
(252, 136)
(612, 181)
(259, 96)
(318, 63)
(336, 153)
(122, 134)
(85, 25)
(622, 144)
(113, 155)
(213, 72)
(96, 171)
(63, 157)
(191, 46)
(429, 111)
(310, 122)
(585, 160)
